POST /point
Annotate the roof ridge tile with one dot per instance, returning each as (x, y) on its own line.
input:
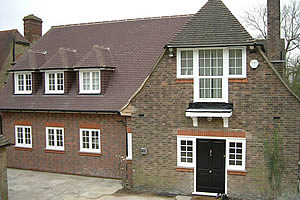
(122, 20)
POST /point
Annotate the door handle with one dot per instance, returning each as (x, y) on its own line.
(210, 153)
(210, 171)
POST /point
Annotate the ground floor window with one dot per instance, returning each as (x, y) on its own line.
(23, 136)
(185, 152)
(129, 146)
(236, 154)
(54, 138)
(90, 140)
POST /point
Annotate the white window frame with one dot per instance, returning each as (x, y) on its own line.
(55, 147)
(179, 63)
(55, 91)
(90, 91)
(90, 149)
(225, 76)
(17, 144)
(16, 82)
(244, 63)
(185, 164)
(129, 146)
(236, 167)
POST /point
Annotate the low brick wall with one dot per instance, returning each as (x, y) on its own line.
(3, 174)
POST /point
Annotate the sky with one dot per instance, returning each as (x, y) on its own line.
(61, 12)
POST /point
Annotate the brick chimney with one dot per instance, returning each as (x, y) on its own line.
(275, 45)
(32, 28)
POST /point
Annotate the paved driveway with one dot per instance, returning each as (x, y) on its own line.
(32, 185)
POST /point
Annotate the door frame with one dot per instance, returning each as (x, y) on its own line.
(195, 158)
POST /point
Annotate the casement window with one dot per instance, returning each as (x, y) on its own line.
(236, 154)
(90, 140)
(55, 138)
(54, 82)
(210, 69)
(185, 59)
(89, 82)
(237, 63)
(23, 136)
(129, 146)
(185, 152)
(23, 83)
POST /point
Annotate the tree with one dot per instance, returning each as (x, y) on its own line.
(256, 20)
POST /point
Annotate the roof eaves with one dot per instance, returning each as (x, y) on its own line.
(211, 45)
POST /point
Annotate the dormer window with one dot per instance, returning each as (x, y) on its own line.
(23, 82)
(89, 81)
(54, 82)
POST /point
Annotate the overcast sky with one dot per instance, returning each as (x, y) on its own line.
(60, 12)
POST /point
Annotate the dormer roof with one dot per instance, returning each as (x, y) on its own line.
(64, 58)
(98, 56)
(212, 25)
(30, 61)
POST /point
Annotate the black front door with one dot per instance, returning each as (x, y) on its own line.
(210, 166)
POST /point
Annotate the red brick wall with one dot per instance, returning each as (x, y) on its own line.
(159, 113)
(112, 131)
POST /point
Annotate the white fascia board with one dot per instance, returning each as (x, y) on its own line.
(208, 110)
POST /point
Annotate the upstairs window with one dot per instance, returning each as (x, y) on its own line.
(23, 83)
(54, 82)
(89, 82)
(185, 59)
(210, 68)
(237, 63)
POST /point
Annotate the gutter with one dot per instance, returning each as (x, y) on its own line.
(275, 71)
(61, 111)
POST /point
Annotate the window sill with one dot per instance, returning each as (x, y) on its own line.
(89, 154)
(54, 151)
(184, 80)
(17, 148)
(237, 172)
(237, 80)
(185, 169)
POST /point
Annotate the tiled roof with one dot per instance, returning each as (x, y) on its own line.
(135, 46)
(4, 141)
(212, 25)
(64, 58)
(6, 40)
(31, 60)
(96, 57)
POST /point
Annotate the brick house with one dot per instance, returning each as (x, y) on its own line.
(62, 106)
(200, 120)
(85, 94)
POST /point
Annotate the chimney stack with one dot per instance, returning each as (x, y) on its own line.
(32, 28)
(275, 45)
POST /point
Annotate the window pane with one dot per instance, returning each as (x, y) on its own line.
(85, 139)
(59, 138)
(186, 62)
(60, 81)
(20, 135)
(86, 80)
(20, 82)
(235, 61)
(95, 78)
(28, 82)
(95, 140)
(51, 137)
(27, 136)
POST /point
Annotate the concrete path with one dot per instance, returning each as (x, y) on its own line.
(32, 185)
